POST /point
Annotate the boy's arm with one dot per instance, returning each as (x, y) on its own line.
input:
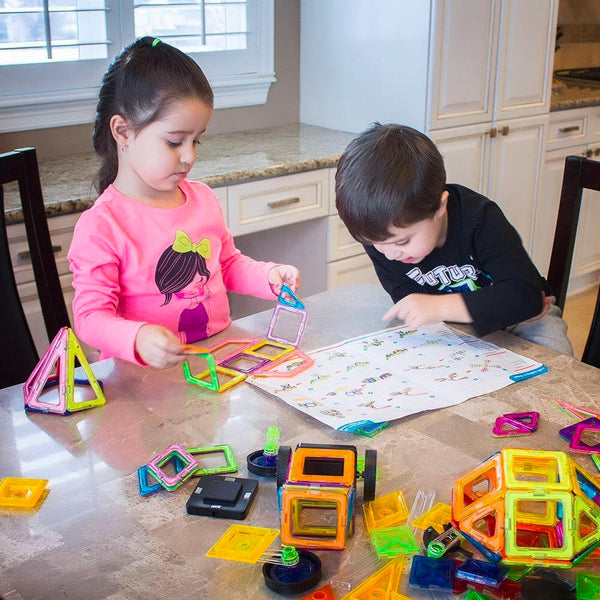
(425, 309)
(517, 291)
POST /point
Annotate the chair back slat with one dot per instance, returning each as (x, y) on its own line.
(20, 166)
(579, 174)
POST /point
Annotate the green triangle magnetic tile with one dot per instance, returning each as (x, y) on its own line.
(587, 586)
(213, 384)
(393, 541)
(20, 492)
(473, 595)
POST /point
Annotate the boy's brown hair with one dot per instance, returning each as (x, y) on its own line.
(388, 175)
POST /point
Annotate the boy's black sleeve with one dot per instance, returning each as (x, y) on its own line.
(390, 274)
(517, 290)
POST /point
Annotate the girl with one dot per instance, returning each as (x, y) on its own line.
(152, 259)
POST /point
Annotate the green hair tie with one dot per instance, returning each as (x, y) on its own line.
(156, 42)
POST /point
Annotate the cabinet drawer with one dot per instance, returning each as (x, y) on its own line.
(357, 270)
(567, 128)
(340, 244)
(278, 201)
(61, 233)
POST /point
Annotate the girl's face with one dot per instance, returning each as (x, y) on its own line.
(413, 243)
(159, 156)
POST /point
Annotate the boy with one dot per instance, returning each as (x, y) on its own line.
(442, 251)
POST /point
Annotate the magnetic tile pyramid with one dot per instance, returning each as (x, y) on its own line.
(56, 368)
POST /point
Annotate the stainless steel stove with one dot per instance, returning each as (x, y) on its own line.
(589, 76)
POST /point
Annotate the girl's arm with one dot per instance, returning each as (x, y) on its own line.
(95, 269)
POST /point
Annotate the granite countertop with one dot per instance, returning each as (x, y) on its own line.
(223, 159)
(565, 96)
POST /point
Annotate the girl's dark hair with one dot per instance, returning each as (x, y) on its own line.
(140, 85)
(176, 270)
(388, 175)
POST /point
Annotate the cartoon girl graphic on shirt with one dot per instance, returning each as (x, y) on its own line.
(181, 270)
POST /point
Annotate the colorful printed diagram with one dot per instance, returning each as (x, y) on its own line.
(396, 372)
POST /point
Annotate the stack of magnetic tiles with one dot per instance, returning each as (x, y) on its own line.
(276, 356)
(176, 464)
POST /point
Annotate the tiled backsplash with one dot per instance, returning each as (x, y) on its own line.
(579, 44)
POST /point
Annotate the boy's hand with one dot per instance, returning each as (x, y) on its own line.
(425, 309)
(284, 274)
(158, 347)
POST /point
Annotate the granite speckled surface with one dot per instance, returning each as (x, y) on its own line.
(96, 538)
(565, 96)
(223, 159)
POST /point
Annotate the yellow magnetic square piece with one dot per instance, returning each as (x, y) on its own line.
(437, 516)
(536, 469)
(269, 349)
(243, 543)
(386, 511)
(18, 492)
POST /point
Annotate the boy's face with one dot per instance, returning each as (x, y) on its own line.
(413, 243)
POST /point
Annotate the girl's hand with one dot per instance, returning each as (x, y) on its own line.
(284, 274)
(158, 347)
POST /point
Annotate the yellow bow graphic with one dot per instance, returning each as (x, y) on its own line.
(183, 244)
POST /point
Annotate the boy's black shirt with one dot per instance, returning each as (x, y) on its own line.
(482, 258)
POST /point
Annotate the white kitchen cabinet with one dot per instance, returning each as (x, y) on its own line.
(491, 60)
(502, 162)
(573, 132)
(487, 95)
(347, 261)
(431, 65)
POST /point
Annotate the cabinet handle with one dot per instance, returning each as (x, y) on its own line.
(504, 130)
(280, 203)
(493, 132)
(589, 152)
(568, 129)
(26, 254)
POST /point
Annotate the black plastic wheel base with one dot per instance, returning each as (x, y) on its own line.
(298, 579)
(284, 456)
(259, 464)
(370, 475)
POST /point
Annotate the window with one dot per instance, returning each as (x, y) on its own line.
(53, 53)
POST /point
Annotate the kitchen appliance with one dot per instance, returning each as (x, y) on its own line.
(588, 76)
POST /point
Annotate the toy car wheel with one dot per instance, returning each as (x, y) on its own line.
(298, 579)
(283, 462)
(259, 464)
(370, 475)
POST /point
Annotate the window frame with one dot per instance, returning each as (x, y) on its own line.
(31, 102)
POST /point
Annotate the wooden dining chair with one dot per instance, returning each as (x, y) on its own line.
(579, 174)
(18, 355)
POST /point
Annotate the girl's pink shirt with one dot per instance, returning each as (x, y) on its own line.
(114, 254)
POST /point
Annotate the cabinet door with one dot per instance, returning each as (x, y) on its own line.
(546, 209)
(464, 41)
(515, 165)
(357, 270)
(525, 58)
(466, 154)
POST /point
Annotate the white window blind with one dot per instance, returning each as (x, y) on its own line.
(53, 53)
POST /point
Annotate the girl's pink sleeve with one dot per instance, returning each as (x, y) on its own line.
(95, 269)
(243, 274)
